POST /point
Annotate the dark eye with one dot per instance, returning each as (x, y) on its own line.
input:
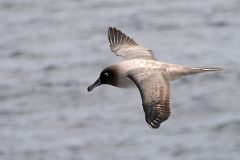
(106, 74)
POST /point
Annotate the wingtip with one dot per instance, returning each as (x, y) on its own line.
(117, 37)
(153, 126)
(111, 28)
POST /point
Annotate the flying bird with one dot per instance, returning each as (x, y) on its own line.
(140, 68)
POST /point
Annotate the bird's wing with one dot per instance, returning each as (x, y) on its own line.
(155, 93)
(126, 47)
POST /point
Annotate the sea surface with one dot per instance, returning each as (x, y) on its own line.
(52, 50)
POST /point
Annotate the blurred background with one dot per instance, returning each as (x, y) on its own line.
(52, 50)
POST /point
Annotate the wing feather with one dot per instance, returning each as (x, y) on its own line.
(126, 47)
(155, 93)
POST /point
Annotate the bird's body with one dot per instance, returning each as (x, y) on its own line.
(140, 68)
(172, 71)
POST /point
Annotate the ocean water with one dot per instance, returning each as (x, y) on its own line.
(52, 50)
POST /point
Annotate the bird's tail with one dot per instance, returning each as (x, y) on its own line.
(180, 71)
(205, 69)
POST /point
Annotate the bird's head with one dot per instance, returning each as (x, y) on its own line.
(107, 76)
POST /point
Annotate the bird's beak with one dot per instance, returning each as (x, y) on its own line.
(94, 85)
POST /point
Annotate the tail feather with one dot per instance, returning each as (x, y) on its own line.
(183, 71)
(208, 69)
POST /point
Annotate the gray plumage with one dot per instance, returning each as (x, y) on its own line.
(126, 47)
(151, 77)
(155, 93)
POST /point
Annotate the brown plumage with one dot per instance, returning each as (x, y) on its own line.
(155, 93)
(151, 77)
(126, 47)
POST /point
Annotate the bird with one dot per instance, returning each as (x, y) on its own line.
(140, 68)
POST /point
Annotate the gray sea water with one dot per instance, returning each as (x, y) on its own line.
(51, 50)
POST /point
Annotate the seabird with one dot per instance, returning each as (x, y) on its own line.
(152, 77)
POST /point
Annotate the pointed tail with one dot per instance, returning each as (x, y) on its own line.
(207, 69)
(180, 71)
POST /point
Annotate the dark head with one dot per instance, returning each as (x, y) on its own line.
(107, 76)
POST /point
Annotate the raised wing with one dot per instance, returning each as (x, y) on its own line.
(155, 93)
(126, 47)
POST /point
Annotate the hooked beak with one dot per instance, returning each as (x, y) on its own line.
(94, 85)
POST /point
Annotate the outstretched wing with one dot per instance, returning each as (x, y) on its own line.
(155, 93)
(126, 47)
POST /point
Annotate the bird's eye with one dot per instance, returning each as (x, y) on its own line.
(106, 74)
